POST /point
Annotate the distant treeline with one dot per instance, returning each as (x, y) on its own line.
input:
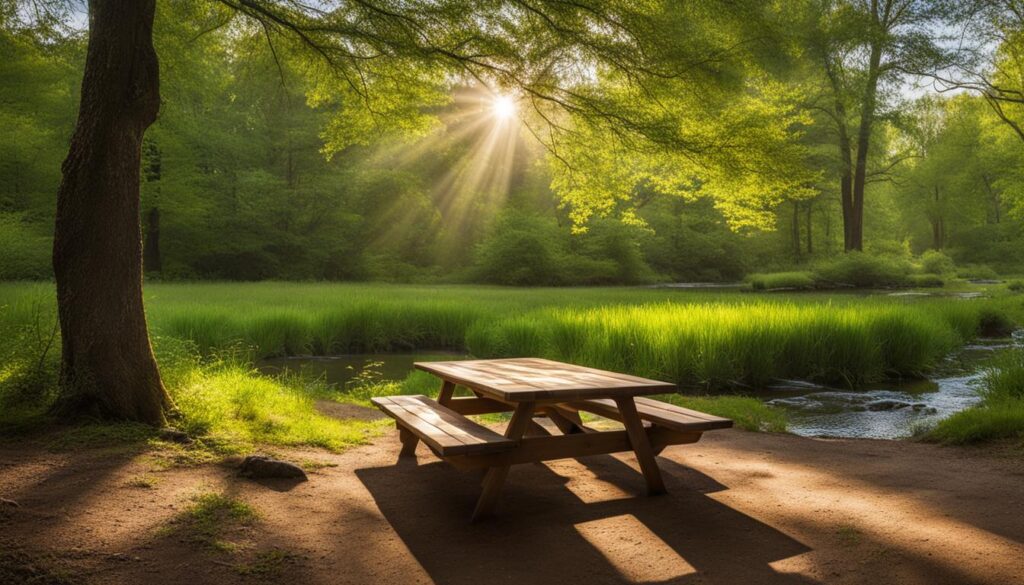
(236, 186)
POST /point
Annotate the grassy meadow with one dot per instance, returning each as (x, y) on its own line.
(208, 336)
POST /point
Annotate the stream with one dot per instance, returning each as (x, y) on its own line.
(887, 410)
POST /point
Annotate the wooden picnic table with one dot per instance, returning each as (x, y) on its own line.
(535, 387)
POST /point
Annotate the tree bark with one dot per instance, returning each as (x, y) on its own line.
(107, 363)
(867, 119)
(855, 240)
(845, 158)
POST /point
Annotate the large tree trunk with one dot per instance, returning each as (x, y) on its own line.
(855, 240)
(845, 159)
(107, 363)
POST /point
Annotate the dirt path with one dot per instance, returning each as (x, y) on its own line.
(743, 508)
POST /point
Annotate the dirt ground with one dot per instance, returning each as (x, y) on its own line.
(742, 508)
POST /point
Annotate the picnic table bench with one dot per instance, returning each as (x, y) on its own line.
(535, 387)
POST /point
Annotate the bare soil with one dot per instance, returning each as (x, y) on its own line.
(742, 508)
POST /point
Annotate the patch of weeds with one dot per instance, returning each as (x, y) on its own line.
(20, 566)
(172, 456)
(102, 435)
(849, 535)
(211, 517)
(142, 482)
(266, 563)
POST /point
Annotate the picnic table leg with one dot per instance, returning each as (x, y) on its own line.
(409, 442)
(567, 421)
(641, 446)
(445, 395)
(495, 478)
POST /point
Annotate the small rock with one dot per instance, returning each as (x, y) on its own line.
(886, 405)
(175, 436)
(11, 503)
(260, 467)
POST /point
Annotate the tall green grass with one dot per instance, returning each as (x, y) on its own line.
(692, 337)
(1001, 412)
(208, 335)
(752, 343)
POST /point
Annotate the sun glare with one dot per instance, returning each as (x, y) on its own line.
(503, 106)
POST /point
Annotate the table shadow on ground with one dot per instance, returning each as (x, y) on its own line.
(544, 533)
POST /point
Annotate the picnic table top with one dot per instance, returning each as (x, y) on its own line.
(538, 379)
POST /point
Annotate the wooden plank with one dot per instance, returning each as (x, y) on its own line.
(644, 403)
(478, 406)
(535, 379)
(467, 436)
(429, 433)
(444, 438)
(641, 446)
(657, 412)
(444, 430)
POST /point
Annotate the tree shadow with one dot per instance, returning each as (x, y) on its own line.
(938, 477)
(545, 533)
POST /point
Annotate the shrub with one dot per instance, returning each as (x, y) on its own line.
(781, 280)
(976, 272)
(935, 262)
(520, 251)
(530, 250)
(925, 280)
(862, 270)
(1016, 286)
(29, 353)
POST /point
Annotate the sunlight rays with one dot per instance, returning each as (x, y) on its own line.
(503, 107)
(478, 138)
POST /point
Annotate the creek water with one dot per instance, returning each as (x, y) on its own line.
(888, 410)
(892, 409)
